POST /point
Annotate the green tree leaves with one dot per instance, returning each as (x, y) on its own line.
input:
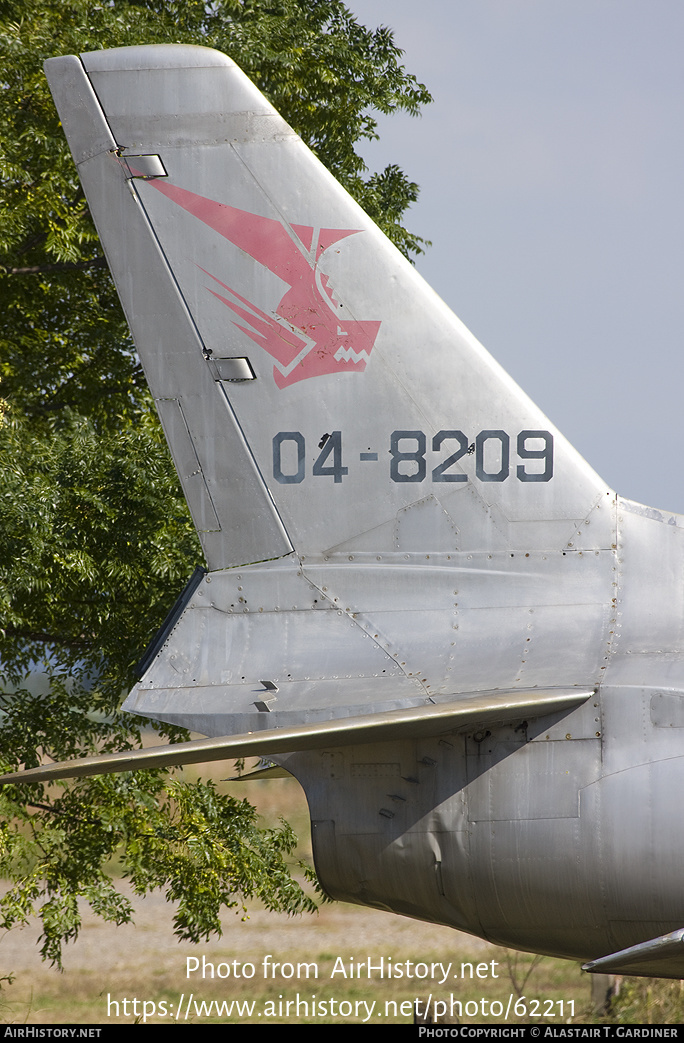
(95, 537)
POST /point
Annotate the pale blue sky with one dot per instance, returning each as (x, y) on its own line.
(551, 167)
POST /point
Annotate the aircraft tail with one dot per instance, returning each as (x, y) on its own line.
(323, 406)
(311, 386)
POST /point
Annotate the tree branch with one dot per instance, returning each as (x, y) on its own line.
(45, 638)
(66, 266)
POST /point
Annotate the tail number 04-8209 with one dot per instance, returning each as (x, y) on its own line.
(411, 461)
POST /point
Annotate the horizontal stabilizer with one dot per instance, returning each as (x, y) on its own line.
(661, 957)
(414, 722)
(265, 769)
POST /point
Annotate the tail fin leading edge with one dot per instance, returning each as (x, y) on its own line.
(231, 506)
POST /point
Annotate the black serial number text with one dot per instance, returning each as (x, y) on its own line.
(411, 461)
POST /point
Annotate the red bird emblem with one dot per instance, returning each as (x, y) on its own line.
(306, 336)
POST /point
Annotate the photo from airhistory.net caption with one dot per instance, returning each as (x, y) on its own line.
(430, 998)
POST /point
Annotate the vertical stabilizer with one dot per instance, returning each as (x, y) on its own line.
(316, 394)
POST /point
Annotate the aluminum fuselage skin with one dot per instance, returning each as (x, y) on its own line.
(533, 834)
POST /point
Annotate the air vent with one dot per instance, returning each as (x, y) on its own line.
(144, 167)
(235, 370)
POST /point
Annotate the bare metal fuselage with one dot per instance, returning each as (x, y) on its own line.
(535, 833)
(396, 538)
